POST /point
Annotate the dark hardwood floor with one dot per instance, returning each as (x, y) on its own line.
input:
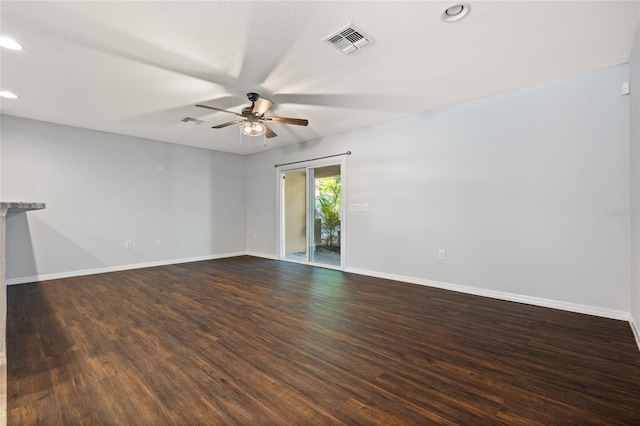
(260, 342)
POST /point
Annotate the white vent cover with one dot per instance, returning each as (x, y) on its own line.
(348, 39)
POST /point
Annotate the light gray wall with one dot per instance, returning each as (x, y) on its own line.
(516, 188)
(526, 191)
(102, 189)
(1, 197)
(634, 138)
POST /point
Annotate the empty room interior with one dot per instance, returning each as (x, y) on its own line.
(322, 212)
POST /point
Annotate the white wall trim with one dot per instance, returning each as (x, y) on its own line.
(511, 297)
(263, 255)
(537, 301)
(70, 274)
(3, 388)
(635, 330)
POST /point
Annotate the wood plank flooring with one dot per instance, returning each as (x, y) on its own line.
(259, 342)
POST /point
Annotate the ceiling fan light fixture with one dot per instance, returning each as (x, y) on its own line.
(252, 117)
(252, 128)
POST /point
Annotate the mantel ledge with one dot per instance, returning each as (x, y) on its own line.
(20, 206)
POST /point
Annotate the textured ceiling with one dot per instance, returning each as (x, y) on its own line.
(138, 68)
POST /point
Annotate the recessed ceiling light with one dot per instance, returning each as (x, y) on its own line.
(10, 43)
(9, 95)
(455, 12)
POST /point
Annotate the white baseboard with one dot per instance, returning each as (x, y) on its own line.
(264, 255)
(636, 330)
(3, 389)
(80, 273)
(547, 303)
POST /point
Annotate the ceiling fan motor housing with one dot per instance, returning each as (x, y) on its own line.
(253, 96)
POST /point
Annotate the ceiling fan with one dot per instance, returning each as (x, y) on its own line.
(253, 117)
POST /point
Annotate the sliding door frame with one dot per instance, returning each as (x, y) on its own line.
(280, 242)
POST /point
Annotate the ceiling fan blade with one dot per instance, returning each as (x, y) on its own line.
(372, 102)
(285, 120)
(269, 133)
(262, 105)
(220, 126)
(219, 109)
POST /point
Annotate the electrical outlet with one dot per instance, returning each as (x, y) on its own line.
(127, 244)
(158, 242)
(365, 207)
(441, 254)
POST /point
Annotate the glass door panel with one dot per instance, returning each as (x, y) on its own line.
(326, 199)
(295, 214)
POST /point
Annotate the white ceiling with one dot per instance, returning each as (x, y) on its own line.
(138, 68)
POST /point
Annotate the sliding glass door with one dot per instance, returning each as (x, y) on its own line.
(294, 184)
(311, 220)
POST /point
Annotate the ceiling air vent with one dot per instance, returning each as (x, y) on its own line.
(192, 120)
(348, 40)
